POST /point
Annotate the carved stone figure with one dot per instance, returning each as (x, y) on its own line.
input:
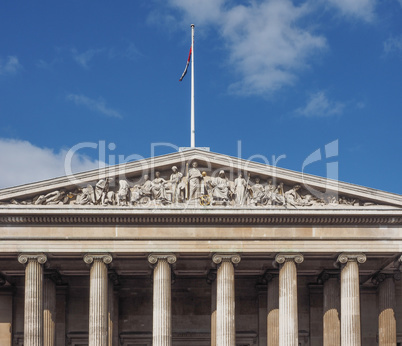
(194, 180)
(101, 190)
(158, 188)
(141, 194)
(258, 193)
(177, 187)
(347, 201)
(135, 194)
(240, 190)
(123, 195)
(87, 196)
(220, 187)
(294, 199)
(205, 187)
(269, 192)
(146, 188)
(292, 196)
(55, 197)
(278, 196)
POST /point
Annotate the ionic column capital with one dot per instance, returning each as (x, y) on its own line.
(211, 276)
(289, 257)
(114, 278)
(106, 258)
(398, 263)
(39, 257)
(218, 258)
(381, 277)
(326, 275)
(170, 258)
(346, 257)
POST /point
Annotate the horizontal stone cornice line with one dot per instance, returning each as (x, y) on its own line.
(289, 257)
(106, 258)
(345, 257)
(200, 219)
(170, 258)
(24, 258)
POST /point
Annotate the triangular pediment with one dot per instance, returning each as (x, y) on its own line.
(261, 186)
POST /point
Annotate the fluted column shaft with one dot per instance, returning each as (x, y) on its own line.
(225, 299)
(49, 312)
(331, 317)
(212, 280)
(110, 314)
(98, 298)
(33, 305)
(350, 299)
(288, 318)
(162, 304)
(273, 312)
(386, 317)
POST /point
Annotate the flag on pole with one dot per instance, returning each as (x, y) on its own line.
(185, 70)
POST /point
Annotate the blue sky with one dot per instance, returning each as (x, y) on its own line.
(276, 77)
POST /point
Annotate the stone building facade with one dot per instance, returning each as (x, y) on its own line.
(164, 251)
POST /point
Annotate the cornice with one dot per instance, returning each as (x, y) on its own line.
(238, 217)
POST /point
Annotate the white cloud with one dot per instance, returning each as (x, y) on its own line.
(23, 162)
(393, 44)
(363, 9)
(84, 58)
(94, 105)
(267, 45)
(319, 106)
(205, 11)
(10, 66)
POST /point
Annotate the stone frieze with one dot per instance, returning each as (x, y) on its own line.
(195, 188)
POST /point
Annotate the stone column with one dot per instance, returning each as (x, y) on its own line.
(113, 308)
(61, 313)
(33, 305)
(211, 279)
(162, 309)
(49, 312)
(110, 314)
(331, 309)
(98, 298)
(6, 311)
(262, 310)
(350, 298)
(225, 299)
(386, 305)
(273, 311)
(288, 319)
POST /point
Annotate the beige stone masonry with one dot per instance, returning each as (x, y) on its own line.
(386, 309)
(98, 298)
(33, 306)
(350, 298)
(162, 299)
(49, 312)
(288, 318)
(273, 312)
(225, 299)
(331, 308)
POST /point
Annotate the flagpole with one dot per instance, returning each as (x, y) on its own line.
(192, 89)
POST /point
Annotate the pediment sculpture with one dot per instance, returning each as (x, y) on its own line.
(196, 188)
